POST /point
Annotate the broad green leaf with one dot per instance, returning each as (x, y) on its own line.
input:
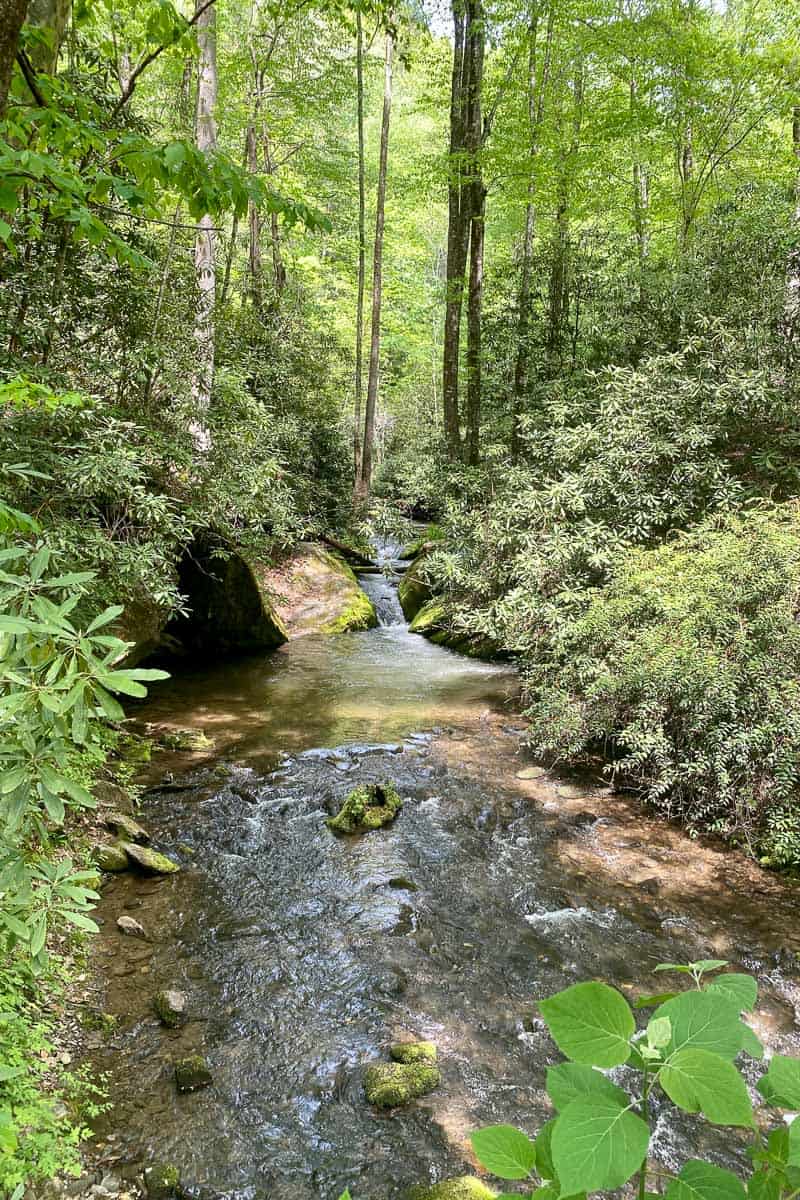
(700, 1081)
(793, 1157)
(7, 1072)
(79, 919)
(544, 1153)
(597, 1145)
(505, 1151)
(750, 1043)
(781, 1084)
(574, 1081)
(659, 1032)
(742, 990)
(764, 1185)
(703, 1021)
(38, 936)
(704, 1181)
(652, 1001)
(590, 1023)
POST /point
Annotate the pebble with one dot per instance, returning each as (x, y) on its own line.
(130, 926)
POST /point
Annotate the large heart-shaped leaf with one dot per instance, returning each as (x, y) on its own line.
(703, 1181)
(575, 1081)
(590, 1023)
(505, 1151)
(700, 1081)
(597, 1145)
(781, 1084)
(703, 1021)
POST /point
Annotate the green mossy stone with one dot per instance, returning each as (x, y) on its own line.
(192, 1073)
(367, 808)
(149, 860)
(161, 1180)
(359, 614)
(125, 827)
(413, 1052)
(185, 739)
(464, 1187)
(414, 591)
(172, 1007)
(110, 857)
(388, 1085)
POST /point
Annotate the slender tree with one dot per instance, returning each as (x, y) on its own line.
(12, 17)
(791, 308)
(362, 250)
(205, 243)
(377, 273)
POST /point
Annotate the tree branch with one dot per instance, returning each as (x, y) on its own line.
(150, 58)
(29, 74)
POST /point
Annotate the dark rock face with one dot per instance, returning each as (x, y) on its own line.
(161, 1180)
(192, 1073)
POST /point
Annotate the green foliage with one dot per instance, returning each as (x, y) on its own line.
(600, 1138)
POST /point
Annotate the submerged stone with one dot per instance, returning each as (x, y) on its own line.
(532, 773)
(367, 808)
(185, 739)
(161, 1180)
(172, 1007)
(463, 1187)
(413, 1052)
(387, 1085)
(192, 1073)
(110, 857)
(149, 860)
(124, 825)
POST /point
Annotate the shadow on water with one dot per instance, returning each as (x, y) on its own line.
(304, 954)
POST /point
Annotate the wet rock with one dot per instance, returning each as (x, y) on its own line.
(172, 1007)
(185, 739)
(125, 827)
(402, 884)
(388, 1085)
(192, 1073)
(161, 1180)
(131, 927)
(111, 795)
(110, 857)
(149, 860)
(367, 808)
(359, 749)
(413, 1052)
(532, 773)
(186, 850)
(464, 1187)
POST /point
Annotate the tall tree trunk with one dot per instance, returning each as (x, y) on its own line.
(254, 220)
(536, 97)
(641, 198)
(52, 16)
(362, 252)
(12, 17)
(477, 242)
(377, 275)
(559, 274)
(205, 243)
(278, 268)
(791, 308)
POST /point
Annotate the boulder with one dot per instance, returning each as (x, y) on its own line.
(149, 860)
(192, 1073)
(161, 1180)
(414, 590)
(131, 927)
(463, 1187)
(110, 856)
(388, 1085)
(316, 591)
(413, 1052)
(172, 1007)
(367, 808)
(126, 828)
(432, 622)
(111, 795)
(184, 739)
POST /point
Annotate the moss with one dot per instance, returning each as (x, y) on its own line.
(414, 591)
(367, 808)
(431, 622)
(161, 1180)
(413, 1052)
(171, 1007)
(98, 1022)
(358, 614)
(149, 860)
(134, 749)
(429, 618)
(126, 827)
(192, 1073)
(388, 1085)
(464, 1187)
(110, 857)
(185, 739)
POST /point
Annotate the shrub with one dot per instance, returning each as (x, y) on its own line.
(686, 666)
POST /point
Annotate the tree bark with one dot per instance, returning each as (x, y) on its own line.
(377, 276)
(278, 268)
(52, 15)
(254, 220)
(559, 274)
(457, 234)
(791, 308)
(12, 17)
(477, 244)
(205, 243)
(362, 252)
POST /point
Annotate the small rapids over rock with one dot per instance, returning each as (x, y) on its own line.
(303, 954)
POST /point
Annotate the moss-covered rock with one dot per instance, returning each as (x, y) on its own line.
(126, 827)
(161, 1180)
(315, 591)
(172, 1007)
(432, 622)
(387, 1085)
(192, 1073)
(463, 1187)
(112, 795)
(110, 856)
(367, 808)
(185, 739)
(149, 860)
(413, 1052)
(414, 590)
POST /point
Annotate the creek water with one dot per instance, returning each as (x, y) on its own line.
(304, 955)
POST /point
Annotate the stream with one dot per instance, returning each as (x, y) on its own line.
(304, 954)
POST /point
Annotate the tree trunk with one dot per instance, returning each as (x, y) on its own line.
(477, 243)
(559, 275)
(12, 17)
(641, 199)
(457, 236)
(791, 308)
(205, 244)
(377, 276)
(254, 222)
(278, 268)
(52, 15)
(362, 252)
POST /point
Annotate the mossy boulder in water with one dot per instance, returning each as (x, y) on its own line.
(161, 1180)
(172, 1007)
(192, 1073)
(125, 827)
(149, 860)
(463, 1187)
(413, 1052)
(185, 739)
(110, 857)
(316, 592)
(367, 808)
(388, 1085)
(432, 621)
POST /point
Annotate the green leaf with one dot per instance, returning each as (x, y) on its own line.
(781, 1084)
(590, 1023)
(701, 1081)
(750, 1043)
(703, 1181)
(764, 1185)
(597, 1145)
(704, 1021)
(574, 1081)
(741, 990)
(652, 1001)
(105, 617)
(7, 1072)
(659, 1032)
(505, 1151)
(38, 936)
(544, 1152)
(79, 919)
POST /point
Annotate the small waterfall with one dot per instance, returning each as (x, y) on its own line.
(382, 591)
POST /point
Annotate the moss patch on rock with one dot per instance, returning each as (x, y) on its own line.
(414, 590)
(432, 622)
(110, 856)
(463, 1187)
(185, 739)
(388, 1085)
(358, 614)
(171, 1007)
(367, 808)
(161, 1180)
(126, 827)
(413, 1052)
(192, 1073)
(316, 591)
(149, 860)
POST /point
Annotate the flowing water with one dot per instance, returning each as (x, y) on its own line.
(304, 954)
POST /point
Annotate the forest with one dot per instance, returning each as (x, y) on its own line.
(404, 396)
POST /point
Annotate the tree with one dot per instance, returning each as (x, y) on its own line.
(12, 16)
(791, 307)
(362, 249)
(205, 243)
